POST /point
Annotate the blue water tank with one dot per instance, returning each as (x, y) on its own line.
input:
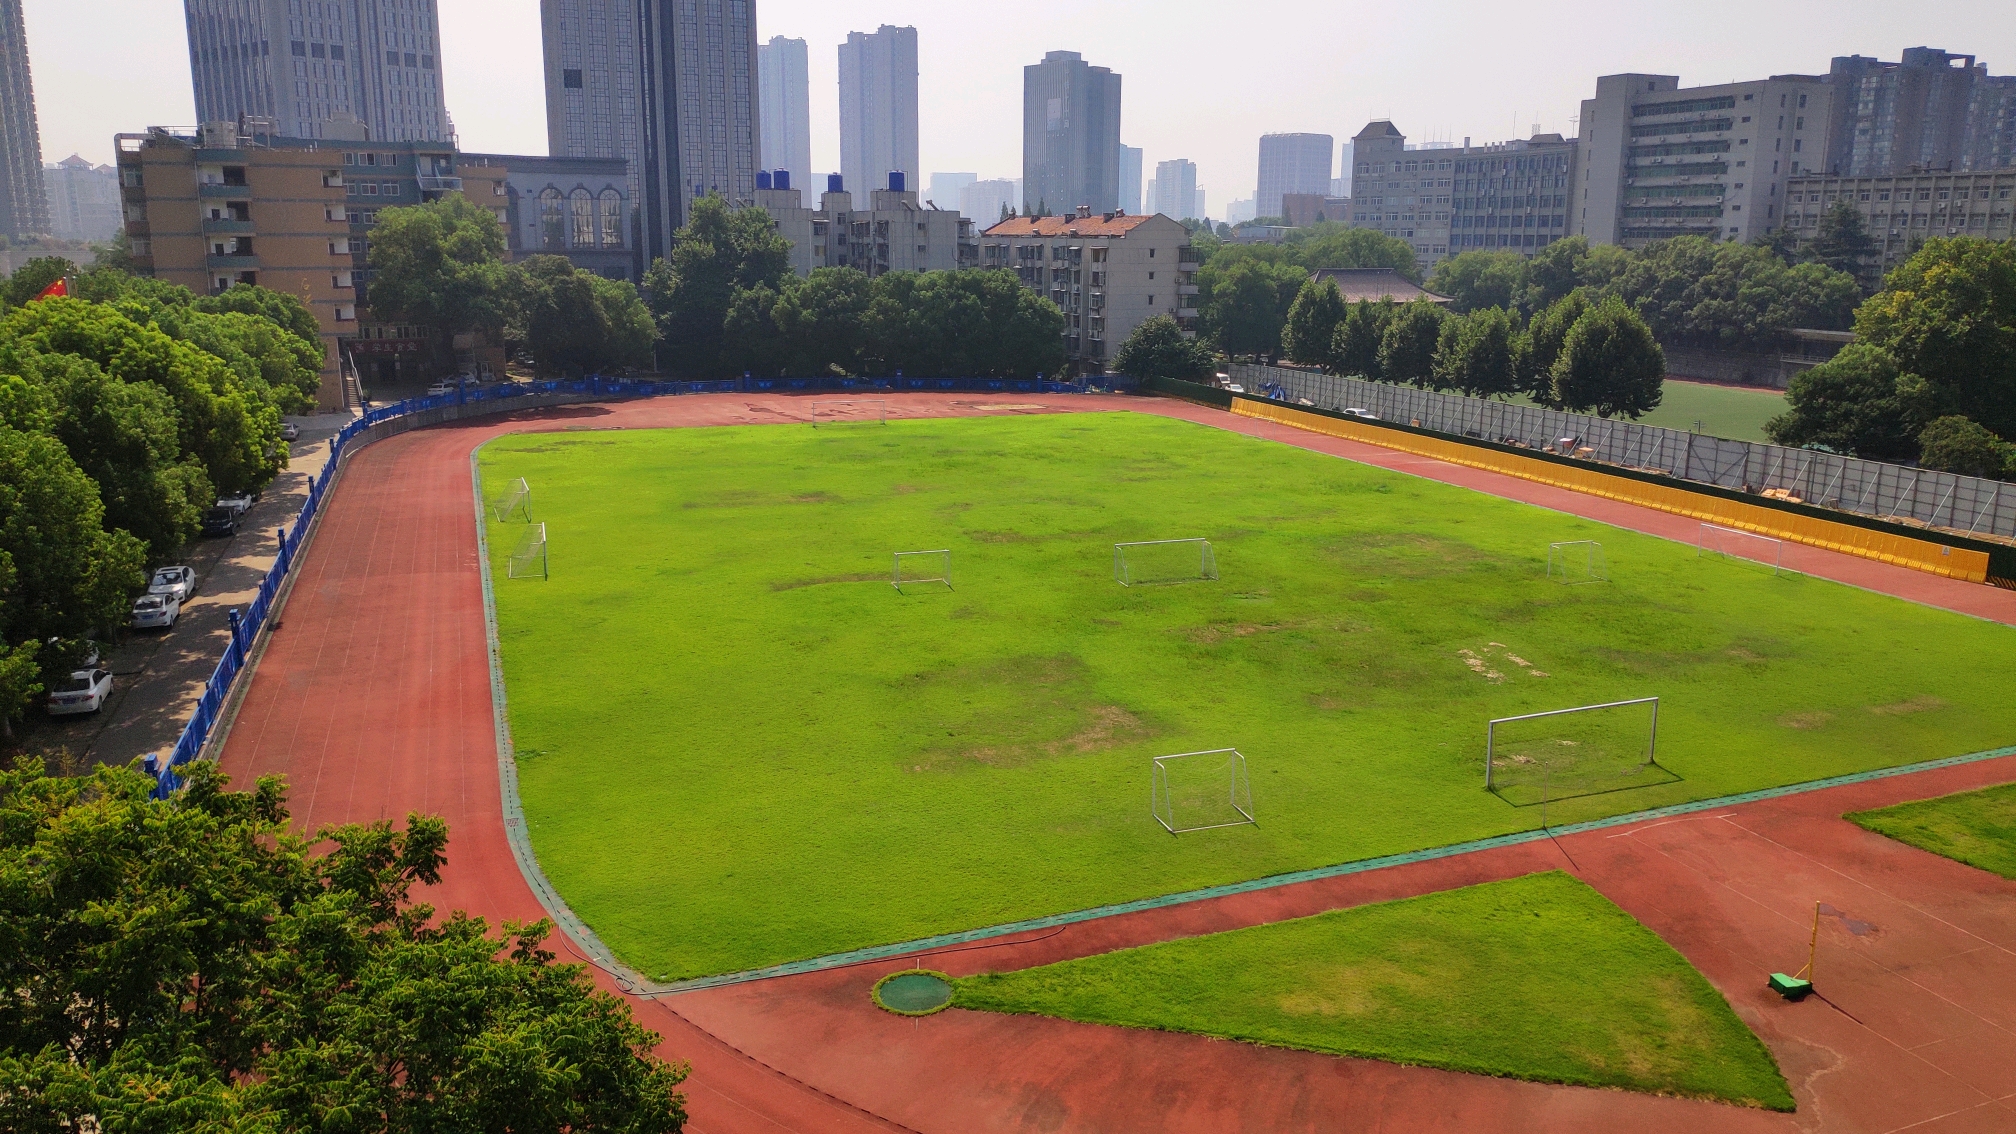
(895, 181)
(833, 183)
(762, 179)
(781, 179)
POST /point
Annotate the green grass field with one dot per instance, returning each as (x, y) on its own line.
(1735, 412)
(1533, 978)
(739, 746)
(1974, 827)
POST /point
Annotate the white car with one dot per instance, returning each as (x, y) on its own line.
(177, 581)
(1354, 411)
(239, 502)
(82, 692)
(440, 389)
(155, 612)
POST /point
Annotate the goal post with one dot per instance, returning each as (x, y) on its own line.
(916, 568)
(1153, 561)
(1576, 561)
(1201, 791)
(1735, 543)
(850, 409)
(517, 500)
(528, 560)
(1580, 750)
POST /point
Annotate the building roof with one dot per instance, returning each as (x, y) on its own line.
(1377, 128)
(1374, 285)
(1099, 224)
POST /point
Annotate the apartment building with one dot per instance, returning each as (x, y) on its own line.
(1658, 160)
(1931, 109)
(83, 200)
(1070, 135)
(1292, 163)
(1108, 273)
(1511, 196)
(878, 106)
(1402, 192)
(895, 233)
(984, 201)
(1906, 209)
(24, 206)
(783, 69)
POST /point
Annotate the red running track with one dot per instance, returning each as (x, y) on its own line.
(373, 698)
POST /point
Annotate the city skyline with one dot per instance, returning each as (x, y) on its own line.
(97, 61)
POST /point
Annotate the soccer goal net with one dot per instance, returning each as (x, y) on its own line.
(1577, 561)
(921, 568)
(1197, 791)
(833, 411)
(1163, 561)
(528, 560)
(1739, 545)
(1563, 753)
(517, 500)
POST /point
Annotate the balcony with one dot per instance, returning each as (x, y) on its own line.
(228, 192)
(231, 262)
(1186, 313)
(440, 184)
(1186, 289)
(227, 227)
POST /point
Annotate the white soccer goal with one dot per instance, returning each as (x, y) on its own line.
(1163, 561)
(1734, 543)
(529, 560)
(1577, 561)
(516, 499)
(1200, 791)
(916, 568)
(1582, 750)
(838, 410)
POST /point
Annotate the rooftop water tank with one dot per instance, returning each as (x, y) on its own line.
(833, 183)
(895, 181)
(762, 179)
(781, 179)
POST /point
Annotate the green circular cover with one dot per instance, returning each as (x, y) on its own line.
(917, 992)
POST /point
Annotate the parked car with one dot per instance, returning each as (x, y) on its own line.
(289, 431)
(1354, 411)
(177, 581)
(90, 651)
(82, 692)
(238, 502)
(153, 611)
(440, 389)
(219, 522)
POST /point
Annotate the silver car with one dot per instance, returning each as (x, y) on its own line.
(82, 692)
(177, 581)
(153, 611)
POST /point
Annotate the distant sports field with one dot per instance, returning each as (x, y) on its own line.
(740, 746)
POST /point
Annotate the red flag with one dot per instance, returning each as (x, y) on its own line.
(60, 287)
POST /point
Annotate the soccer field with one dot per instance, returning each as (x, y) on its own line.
(738, 745)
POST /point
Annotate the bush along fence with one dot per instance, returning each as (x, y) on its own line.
(470, 401)
(1964, 505)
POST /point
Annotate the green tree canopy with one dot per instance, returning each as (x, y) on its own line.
(1479, 354)
(439, 266)
(1692, 291)
(577, 322)
(1610, 364)
(1947, 316)
(1842, 241)
(1157, 349)
(1544, 338)
(1407, 348)
(62, 574)
(194, 965)
(1244, 303)
(1849, 404)
(1312, 323)
(1336, 245)
(1477, 280)
(689, 293)
(822, 321)
(1354, 348)
(1958, 445)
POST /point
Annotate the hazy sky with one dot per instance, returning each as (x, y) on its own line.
(1200, 80)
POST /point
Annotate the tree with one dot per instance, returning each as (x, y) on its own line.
(1947, 316)
(1354, 349)
(63, 574)
(718, 251)
(1842, 241)
(822, 321)
(1335, 245)
(1696, 292)
(30, 279)
(1245, 302)
(576, 322)
(1957, 445)
(1849, 404)
(1407, 349)
(1478, 354)
(1781, 242)
(961, 323)
(1553, 272)
(749, 333)
(1544, 338)
(191, 964)
(1474, 281)
(1312, 323)
(440, 266)
(1157, 349)
(1610, 364)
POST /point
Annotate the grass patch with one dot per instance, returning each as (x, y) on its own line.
(1735, 412)
(1532, 978)
(753, 750)
(1974, 827)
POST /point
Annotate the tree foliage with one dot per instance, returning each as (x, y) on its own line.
(1476, 280)
(1157, 349)
(1244, 303)
(1841, 241)
(1407, 347)
(1354, 348)
(1312, 323)
(1610, 364)
(718, 251)
(577, 322)
(192, 964)
(440, 266)
(1958, 445)
(1947, 316)
(1544, 339)
(1480, 354)
(1849, 404)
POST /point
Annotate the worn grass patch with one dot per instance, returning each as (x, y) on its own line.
(1974, 827)
(1532, 978)
(754, 750)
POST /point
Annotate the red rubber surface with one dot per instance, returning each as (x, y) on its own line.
(373, 698)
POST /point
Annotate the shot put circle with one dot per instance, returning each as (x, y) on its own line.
(913, 992)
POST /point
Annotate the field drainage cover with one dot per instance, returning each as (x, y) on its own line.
(914, 992)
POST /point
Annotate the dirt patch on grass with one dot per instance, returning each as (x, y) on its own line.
(1220, 631)
(1014, 711)
(1805, 721)
(856, 577)
(1922, 703)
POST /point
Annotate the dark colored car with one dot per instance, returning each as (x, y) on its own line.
(220, 522)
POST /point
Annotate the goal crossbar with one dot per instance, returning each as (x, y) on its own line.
(529, 560)
(1491, 729)
(1207, 559)
(1771, 548)
(1561, 555)
(944, 575)
(1238, 795)
(516, 498)
(880, 409)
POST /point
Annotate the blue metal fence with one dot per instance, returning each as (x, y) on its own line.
(245, 624)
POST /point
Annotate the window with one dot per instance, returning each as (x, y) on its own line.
(552, 221)
(335, 51)
(1151, 301)
(571, 78)
(318, 51)
(300, 49)
(581, 208)
(612, 219)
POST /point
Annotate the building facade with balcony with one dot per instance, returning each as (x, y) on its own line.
(1512, 196)
(895, 233)
(1108, 273)
(1904, 210)
(1659, 161)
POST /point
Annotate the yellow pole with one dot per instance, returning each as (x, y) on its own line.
(1812, 945)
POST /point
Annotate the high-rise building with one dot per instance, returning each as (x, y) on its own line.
(24, 210)
(701, 133)
(787, 108)
(1657, 160)
(594, 99)
(1130, 179)
(83, 200)
(1340, 185)
(319, 72)
(1070, 135)
(984, 201)
(1292, 163)
(1402, 192)
(1930, 110)
(1176, 189)
(878, 107)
